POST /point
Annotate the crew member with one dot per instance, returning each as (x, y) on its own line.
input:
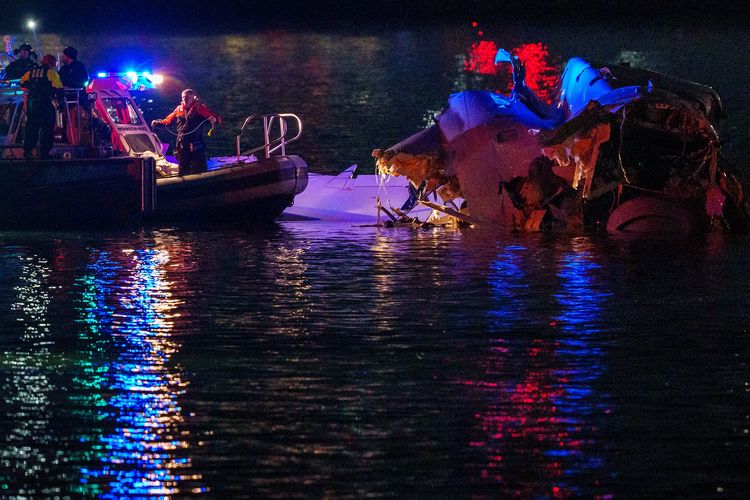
(190, 116)
(73, 73)
(24, 62)
(43, 84)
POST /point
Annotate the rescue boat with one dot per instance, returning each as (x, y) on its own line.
(109, 167)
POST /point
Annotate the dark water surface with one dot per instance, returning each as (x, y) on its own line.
(326, 360)
(359, 91)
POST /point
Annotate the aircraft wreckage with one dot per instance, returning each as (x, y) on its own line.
(621, 148)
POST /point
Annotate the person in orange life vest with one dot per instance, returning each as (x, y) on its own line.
(190, 116)
(43, 84)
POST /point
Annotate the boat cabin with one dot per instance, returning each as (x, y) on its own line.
(98, 121)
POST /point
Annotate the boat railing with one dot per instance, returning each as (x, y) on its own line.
(271, 142)
(11, 110)
(72, 119)
(72, 113)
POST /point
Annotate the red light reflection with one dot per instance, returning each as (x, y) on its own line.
(539, 414)
(523, 417)
(481, 58)
(542, 68)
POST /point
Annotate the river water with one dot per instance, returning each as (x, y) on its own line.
(359, 91)
(311, 359)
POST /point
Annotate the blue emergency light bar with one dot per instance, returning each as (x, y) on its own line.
(137, 80)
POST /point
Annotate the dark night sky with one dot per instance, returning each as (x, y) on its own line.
(208, 15)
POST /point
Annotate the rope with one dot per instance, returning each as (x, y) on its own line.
(383, 179)
(185, 133)
(619, 148)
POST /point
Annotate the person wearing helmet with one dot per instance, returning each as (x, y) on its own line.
(24, 62)
(43, 84)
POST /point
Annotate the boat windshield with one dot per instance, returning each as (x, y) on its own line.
(121, 111)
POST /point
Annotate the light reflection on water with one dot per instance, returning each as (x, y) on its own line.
(27, 387)
(119, 391)
(536, 430)
(328, 360)
(144, 450)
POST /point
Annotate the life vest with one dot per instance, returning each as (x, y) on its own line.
(189, 122)
(41, 88)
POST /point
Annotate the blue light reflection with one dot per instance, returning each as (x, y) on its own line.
(507, 280)
(144, 450)
(541, 412)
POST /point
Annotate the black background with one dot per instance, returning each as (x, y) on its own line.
(207, 15)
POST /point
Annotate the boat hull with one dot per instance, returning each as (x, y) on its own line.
(76, 193)
(257, 191)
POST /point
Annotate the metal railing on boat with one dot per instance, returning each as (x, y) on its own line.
(270, 144)
(73, 116)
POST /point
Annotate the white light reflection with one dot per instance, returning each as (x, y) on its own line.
(291, 304)
(428, 117)
(391, 284)
(27, 388)
(634, 58)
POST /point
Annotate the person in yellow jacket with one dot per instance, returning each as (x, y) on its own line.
(43, 85)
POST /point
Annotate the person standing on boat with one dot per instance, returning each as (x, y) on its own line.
(73, 73)
(43, 84)
(24, 63)
(190, 116)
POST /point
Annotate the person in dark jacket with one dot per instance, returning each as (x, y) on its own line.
(24, 62)
(190, 116)
(43, 84)
(73, 73)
